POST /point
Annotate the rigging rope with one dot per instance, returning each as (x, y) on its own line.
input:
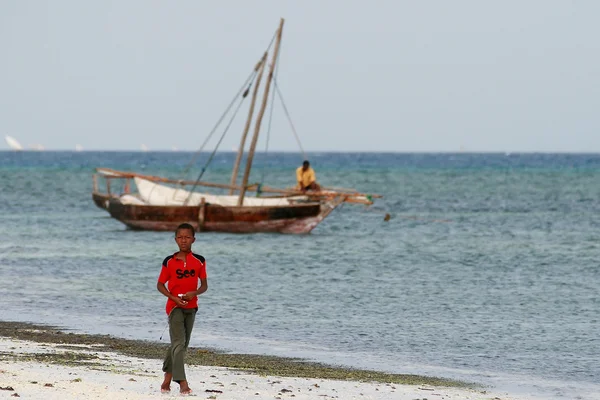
(289, 118)
(212, 155)
(249, 81)
(243, 89)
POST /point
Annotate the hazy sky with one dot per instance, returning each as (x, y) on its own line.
(356, 75)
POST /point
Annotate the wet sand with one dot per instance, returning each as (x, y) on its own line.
(42, 362)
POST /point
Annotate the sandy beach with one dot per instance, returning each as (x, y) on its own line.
(33, 370)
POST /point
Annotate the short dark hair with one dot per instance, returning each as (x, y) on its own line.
(185, 226)
(306, 162)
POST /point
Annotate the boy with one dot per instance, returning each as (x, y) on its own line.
(181, 272)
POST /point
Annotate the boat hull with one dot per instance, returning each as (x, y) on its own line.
(295, 219)
(101, 200)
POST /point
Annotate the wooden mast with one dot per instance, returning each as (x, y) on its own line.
(260, 67)
(260, 115)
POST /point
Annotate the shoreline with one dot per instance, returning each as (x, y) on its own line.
(259, 364)
(83, 365)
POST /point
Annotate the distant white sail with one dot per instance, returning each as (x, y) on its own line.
(13, 144)
(78, 147)
(144, 147)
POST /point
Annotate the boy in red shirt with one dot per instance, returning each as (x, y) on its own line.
(181, 273)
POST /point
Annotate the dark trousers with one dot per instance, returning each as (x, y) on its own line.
(181, 322)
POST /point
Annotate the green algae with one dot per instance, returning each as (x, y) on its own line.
(257, 364)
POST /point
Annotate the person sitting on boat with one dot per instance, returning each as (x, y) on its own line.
(306, 178)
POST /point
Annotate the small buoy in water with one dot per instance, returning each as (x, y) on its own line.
(387, 217)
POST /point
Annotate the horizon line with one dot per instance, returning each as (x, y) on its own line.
(505, 152)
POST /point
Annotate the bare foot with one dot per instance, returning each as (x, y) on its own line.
(184, 388)
(166, 385)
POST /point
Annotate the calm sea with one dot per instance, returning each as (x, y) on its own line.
(487, 271)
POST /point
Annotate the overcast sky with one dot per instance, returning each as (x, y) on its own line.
(355, 75)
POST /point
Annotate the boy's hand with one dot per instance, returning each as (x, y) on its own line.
(180, 301)
(189, 296)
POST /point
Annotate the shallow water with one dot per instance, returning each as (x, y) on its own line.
(487, 271)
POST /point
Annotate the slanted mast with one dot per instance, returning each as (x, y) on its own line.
(260, 67)
(260, 114)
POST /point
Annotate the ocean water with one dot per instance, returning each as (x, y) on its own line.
(487, 271)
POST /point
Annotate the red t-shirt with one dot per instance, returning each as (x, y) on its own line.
(182, 276)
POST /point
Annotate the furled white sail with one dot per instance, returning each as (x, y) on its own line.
(13, 144)
(161, 195)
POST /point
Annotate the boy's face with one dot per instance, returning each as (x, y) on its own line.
(184, 239)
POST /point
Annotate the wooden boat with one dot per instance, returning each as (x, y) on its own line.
(294, 218)
(289, 211)
(161, 204)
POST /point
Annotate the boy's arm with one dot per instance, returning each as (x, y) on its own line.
(203, 286)
(163, 278)
(201, 289)
(163, 289)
